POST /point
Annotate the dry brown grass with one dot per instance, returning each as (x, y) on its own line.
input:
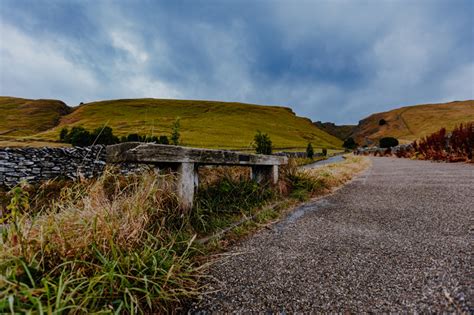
(414, 122)
(85, 214)
(335, 175)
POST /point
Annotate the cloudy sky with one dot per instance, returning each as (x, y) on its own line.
(329, 60)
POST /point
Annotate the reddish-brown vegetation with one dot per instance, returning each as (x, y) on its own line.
(455, 147)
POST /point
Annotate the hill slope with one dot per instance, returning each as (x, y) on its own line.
(23, 117)
(203, 123)
(413, 122)
(339, 131)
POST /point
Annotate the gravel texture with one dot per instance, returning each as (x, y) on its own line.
(398, 238)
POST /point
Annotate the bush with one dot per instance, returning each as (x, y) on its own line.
(309, 151)
(163, 140)
(79, 137)
(175, 135)
(455, 147)
(104, 135)
(382, 122)
(325, 152)
(349, 144)
(262, 143)
(133, 137)
(388, 142)
(63, 134)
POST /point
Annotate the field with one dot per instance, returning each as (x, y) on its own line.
(413, 122)
(203, 123)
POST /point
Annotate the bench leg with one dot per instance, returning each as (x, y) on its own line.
(262, 173)
(187, 182)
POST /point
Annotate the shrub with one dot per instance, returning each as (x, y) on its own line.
(388, 142)
(104, 135)
(382, 122)
(262, 143)
(175, 135)
(349, 144)
(63, 134)
(79, 137)
(455, 147)
(325, 151)
(163, 140)
(309, 151)
(133, 137)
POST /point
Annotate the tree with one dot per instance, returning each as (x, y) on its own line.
(388, 142)
(263, 144)
(175, 135)
(104, 135)
(63, 134)
(133, 137)
(163, 140)
(309, 151)
(79, 137)
(349, 144)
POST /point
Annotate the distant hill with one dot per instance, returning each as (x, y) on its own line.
(203, 123)
(339, 131)
(23, 117)
(413, 122)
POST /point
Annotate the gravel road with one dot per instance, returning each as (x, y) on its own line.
(397, 238)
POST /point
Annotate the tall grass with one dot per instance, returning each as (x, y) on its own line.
(122, 244)
(101, 248)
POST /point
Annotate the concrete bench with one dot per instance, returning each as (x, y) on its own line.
(185, 162)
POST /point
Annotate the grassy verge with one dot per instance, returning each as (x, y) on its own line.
(306, 161)
(122, 245)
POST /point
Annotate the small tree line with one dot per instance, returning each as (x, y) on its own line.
(79, 136)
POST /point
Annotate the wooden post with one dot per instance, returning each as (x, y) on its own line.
(187, 181)
(262, 173)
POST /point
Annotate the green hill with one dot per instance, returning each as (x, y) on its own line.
(203, 123)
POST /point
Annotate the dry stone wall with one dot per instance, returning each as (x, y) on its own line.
(37, 164)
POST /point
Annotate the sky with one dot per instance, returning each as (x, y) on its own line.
(337, 61)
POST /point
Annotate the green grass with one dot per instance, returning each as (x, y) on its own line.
(203, 123)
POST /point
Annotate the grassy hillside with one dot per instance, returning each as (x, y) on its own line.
(23, 117)
(413, 122)
(339, 131)
(203, 123)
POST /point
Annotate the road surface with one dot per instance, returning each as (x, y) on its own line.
(397, 238)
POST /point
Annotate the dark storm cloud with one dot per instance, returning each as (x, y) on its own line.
(329, 60)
